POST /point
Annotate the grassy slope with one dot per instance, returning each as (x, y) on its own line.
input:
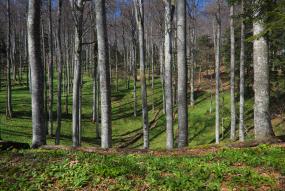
(125, 125)
(244, 169)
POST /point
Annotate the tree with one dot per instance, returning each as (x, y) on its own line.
(192, 49)
(60, 63)
(182, 74)
(232, 73)
(262, 118)
(139, 10)
(217, 64)
(133, 60)
(77, 12)
(9, 111)
(168, 73)
(50, 70)
(103, 61)
(37, 74)
(95, 74)
(241, 87)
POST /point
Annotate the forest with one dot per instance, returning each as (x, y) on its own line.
(142, 95)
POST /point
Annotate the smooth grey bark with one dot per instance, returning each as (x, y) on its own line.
(192, 67)
(9, 111)
(37, 74)
(152, 68)
(50, 71)
(241, 86)
(232, 73)
(168, 74)
(262, 117)
(139, 9)
(103, 62)
(77, 11)
(217, 65)
(182, 75)
(161, 60)
(134, 77)
(60, 64)
(193, 41)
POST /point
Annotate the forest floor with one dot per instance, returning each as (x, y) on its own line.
(202, 166)
(127, 129)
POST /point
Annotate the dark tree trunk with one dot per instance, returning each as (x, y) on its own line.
(60, 64)
(50, 72)
(9, 111)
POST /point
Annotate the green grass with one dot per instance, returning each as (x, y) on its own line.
(201, 121)
(240, 169)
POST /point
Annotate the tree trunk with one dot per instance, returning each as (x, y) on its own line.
(139, 9)
(182, 75)
(106, 126)
(161, 60)
(98, 103)
(217, 63)
(152, 68)
(60, 63)
(134, 76)
(50, 72)
(95, 85)
(232, 71)
(9, 111)
(78, 8)
(168, 74)
(241, 88)
(262, 118)
(192, 67)
(37, 74)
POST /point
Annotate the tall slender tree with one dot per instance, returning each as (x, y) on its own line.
(241, 86)
(77, 12)
(217, 63)
(60, 65)
(232, 73)
(262, 118)
(103, 61)
(9, 111)
(50, 70)
(192, 50)
(182, 74)
(134, 62)
(139, 9)
(37, 74)
(168, 73)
